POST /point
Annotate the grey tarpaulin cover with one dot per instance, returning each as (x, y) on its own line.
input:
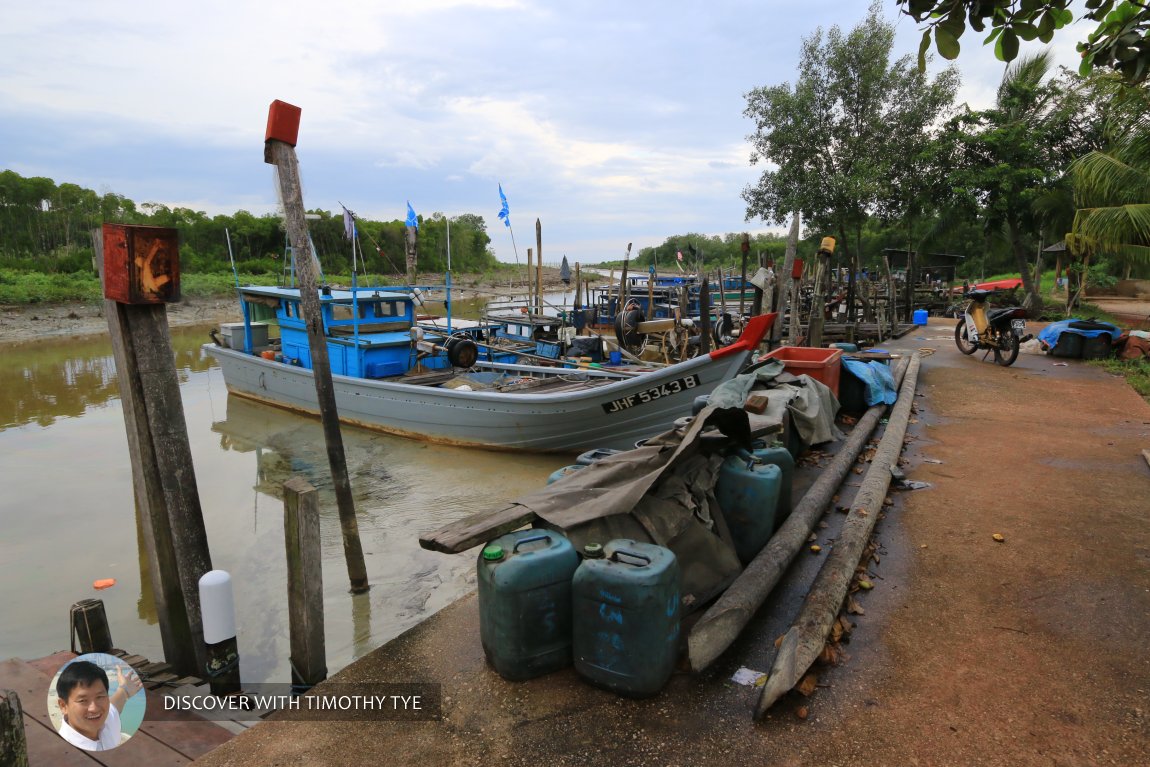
(661, 493)
(811, 403)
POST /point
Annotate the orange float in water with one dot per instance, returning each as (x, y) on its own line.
(104, 583)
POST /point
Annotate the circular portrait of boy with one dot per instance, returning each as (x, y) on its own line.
(96, 702)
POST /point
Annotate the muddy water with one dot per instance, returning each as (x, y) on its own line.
(67, 515)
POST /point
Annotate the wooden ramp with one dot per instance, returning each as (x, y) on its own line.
(164, 737)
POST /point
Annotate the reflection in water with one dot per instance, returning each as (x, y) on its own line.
(62, 378)
(68, 498)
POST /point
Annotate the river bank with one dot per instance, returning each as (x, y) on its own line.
(25, 323)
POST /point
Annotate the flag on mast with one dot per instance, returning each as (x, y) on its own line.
(412, 220)
(348, 224)
(504, 213)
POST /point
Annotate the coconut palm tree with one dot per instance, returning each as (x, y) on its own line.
(1112, 192)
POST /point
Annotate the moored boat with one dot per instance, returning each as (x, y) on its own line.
(393, 375)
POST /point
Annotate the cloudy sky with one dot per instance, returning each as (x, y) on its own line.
(611, 122)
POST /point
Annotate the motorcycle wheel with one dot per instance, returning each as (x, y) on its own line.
(962, 339)
(1006, 356)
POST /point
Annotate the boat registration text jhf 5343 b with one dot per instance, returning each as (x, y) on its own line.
(652, 394)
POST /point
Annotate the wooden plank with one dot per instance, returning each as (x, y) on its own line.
(135, 661)
(155, 668)
(476, 529)
(50, 664)
(32, 686)
(47, 749)
(186, 732)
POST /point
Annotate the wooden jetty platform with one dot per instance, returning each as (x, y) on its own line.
(164, 737)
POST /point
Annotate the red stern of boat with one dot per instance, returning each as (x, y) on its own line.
(752, 334)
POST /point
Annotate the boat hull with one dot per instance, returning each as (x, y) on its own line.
(613, 415)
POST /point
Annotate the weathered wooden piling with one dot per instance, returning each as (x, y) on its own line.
(13, 743)
(304, 583)
(163, 477)
(279, 150)
(90, 631)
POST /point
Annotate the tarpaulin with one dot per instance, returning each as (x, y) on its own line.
(879, 381)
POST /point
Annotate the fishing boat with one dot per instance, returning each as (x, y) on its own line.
(395, 374)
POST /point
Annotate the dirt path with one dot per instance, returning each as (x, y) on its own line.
(1033, 651)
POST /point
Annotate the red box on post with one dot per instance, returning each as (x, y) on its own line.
(141, 264)
(283, 122)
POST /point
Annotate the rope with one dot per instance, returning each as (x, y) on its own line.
(926, 351)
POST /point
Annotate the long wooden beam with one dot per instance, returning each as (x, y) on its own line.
(805, 640)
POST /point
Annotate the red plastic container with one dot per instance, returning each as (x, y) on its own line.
(823, 365)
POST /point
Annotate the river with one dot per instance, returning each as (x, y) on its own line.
(67, 516)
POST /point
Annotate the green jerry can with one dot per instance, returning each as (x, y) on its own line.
(525, 603)
(626, 632)
(748, 494)
(778, 455)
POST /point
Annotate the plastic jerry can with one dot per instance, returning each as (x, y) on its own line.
(559, 474)
(779, 456)
(525, 602)
(748, 494)
(626, 632)
(591, 456)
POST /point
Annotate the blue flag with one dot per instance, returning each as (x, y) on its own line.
(412, 221)
(504, 214)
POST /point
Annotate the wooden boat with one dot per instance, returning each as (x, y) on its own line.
(392, 375)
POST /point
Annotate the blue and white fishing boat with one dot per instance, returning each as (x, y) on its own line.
(397, 375)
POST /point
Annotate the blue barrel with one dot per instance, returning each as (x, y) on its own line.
(920, 316)
(776, 454)
(846, 347)
(525, 603)
(626, 632)
(591, 456)
(559, 474)
(748, 496)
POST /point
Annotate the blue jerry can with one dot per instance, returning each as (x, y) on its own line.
(779, 456)
(748, 494)
(525, 602)
(626, 632)
(559, 474)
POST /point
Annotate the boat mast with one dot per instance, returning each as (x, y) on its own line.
(447, 219)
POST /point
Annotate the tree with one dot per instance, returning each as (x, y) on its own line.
(849, 131)
(1112, 191)
(1121, 40)
(1013, 154)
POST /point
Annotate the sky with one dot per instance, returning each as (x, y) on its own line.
(610, 122)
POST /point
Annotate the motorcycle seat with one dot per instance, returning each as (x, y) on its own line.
(994, 314)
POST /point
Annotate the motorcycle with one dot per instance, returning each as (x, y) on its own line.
(1001, 331)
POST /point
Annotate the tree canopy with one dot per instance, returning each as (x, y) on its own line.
(1120, 40)
(45, 226)
(850, 138)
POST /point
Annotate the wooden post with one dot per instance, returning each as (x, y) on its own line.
(13, 742)
(304, 583)
(807, 637)
(163, 477)
(90, 632)
(530, 284)
(746, 248)
(410, 242)
(283, 157)
(538, 267)
(623, 292)
(705, 315)
(818, 303)
(788, 286)
(577, 305)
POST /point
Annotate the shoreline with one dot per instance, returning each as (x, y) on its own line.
(28, 323)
